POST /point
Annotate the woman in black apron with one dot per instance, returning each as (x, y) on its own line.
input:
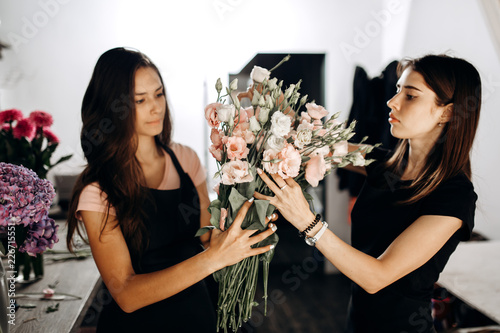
(143, 243)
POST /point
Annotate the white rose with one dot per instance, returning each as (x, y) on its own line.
(304, 135)
(259, 74)
(280, 124)
(275, 142)
(358, 159)
(254, 124)
(226, 112)
(264, 115)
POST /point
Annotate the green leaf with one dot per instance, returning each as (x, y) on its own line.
(260, 207)
(204, 230)
(62, 159)
(214, 210)
(236, 200)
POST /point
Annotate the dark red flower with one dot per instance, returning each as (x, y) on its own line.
(24, 128)
(41, 118)
(51, 137)
(10, 115)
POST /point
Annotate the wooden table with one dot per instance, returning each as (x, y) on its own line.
(473, 275)
(77, 277)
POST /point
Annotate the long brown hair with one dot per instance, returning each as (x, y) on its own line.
(109, 144)
(455, 81)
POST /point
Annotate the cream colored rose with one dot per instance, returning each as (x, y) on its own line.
(275, 142)
(340, 149)
(280, 124)
(226, 112)
(270, 161)
(259, 74)
(304, 135)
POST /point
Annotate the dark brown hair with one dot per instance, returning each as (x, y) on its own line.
(455, 82)
(109, 144)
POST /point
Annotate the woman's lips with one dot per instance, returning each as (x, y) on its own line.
(154, 122)
(393, 119)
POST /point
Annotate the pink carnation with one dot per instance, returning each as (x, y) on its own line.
(51, 137)
(211, 114)
(10, 115)
(24, 128)
(316, 111)
(236, 148)
(236, 172)
(41, 119)
(289, 167)
(315, 170)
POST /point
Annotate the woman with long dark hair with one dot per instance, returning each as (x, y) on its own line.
(141, 199)
(417, 203)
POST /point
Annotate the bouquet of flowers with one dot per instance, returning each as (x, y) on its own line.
(28, 141)
(25, 200)
(278, 136)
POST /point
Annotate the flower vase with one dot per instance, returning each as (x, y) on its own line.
(26, 263)
(4, 301)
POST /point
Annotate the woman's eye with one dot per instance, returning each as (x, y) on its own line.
(410, 97)
(139, 101)
(160, 94)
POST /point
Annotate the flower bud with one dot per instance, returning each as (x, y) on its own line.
(218, 86)
(272, 84)
(234, 85)
(254, 124)
(264, 115)
(259, 74)
(303, 100)
(256, 97)
(236, 103)
(269, 102)
(262, 101)
(289, 91)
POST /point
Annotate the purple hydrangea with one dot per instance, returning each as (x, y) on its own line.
(25, 200)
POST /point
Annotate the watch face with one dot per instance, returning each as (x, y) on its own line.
(310, 241)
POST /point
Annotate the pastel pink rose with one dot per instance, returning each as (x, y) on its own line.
(216, 137)
(268, 156)
(304, 116)
(243, 132)
(235, 172)
(223, 216)
(241, 117)
(340, 149)
(289, 167)
(315, 170)
(236, 148)
(316, 111)
(211, 114)
(216, 152)
(317, 124)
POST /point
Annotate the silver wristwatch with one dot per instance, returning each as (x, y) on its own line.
(311, 241)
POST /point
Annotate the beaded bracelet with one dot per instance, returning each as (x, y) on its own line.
(311, 226)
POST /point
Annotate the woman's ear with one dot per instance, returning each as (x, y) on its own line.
(447, 113)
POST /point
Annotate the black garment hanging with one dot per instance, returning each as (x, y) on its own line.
(173, 219)
(370, 110)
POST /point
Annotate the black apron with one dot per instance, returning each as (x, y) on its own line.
(173, 219)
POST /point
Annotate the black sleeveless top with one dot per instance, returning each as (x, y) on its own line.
(173, 219)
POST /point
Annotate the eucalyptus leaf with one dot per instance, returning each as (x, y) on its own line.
(204, 230)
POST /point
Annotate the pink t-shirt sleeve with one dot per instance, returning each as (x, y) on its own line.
(189, 162)
(93, 200)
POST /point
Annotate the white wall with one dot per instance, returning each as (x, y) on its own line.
(194, 42)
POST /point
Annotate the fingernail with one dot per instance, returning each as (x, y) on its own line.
(251, 199)
(259, 171)
(274, 216)
(271, 247)
(273, 226)
(269, 217)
